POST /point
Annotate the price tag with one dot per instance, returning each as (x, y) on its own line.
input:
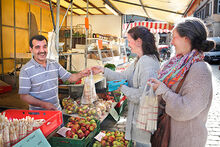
(114, 114)
(99, 136)
(62, 131)
(35, 139)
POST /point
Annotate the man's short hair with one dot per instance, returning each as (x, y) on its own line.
(38, 38)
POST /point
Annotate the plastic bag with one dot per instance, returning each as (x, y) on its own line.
(148, 111)
(89, 93)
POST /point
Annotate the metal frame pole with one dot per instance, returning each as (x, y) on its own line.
(86, 49)
(57, 26)
(15, 46)
(51, 11)
(40, 20)
(29, 20)
(65, 15)
(2, 60)
(71, 34)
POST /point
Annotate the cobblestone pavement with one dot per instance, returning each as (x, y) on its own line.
(213, 123)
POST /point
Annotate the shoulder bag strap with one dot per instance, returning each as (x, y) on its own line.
(181, 82)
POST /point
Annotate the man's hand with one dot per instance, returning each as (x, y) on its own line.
(85, 72)
(77, 76)
(97, 69)
(48, 106)
(36, 102)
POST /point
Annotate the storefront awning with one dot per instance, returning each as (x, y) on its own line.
(162, 10)
(154, 27)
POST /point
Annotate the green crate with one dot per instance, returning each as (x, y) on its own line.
(68, 142)
(130, 144)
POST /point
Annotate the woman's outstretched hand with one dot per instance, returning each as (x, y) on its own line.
(97, 69)
(85, 72)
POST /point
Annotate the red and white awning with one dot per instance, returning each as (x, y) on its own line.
(154, 27)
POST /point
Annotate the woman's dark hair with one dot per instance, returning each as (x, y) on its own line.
(196, 31)
(148, 40)
(38, 38)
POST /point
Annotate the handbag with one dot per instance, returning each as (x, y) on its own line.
(161, 136)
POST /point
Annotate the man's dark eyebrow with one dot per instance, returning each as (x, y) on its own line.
(37, 46)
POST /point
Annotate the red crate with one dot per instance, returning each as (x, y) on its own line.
(4, 87)
(53, 119)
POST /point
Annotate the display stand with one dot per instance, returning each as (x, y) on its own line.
(112, 112)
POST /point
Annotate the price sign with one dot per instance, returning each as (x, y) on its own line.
(35, 139)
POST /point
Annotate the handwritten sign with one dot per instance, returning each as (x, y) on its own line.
(35, 139)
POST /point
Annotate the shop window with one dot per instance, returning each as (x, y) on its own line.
(218, 7)
(210, 8)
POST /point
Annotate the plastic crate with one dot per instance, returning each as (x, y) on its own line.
(4, 87)
(130, 144)
(53, 119)
(69, 142)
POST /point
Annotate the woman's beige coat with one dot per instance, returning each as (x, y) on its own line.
(189, 109)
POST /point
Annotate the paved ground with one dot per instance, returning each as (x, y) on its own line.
(213, 123)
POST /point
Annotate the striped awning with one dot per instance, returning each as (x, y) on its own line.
(154, 27)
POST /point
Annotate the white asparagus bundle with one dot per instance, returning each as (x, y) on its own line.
(12, 130)
(12, 135)
(37, 123)
(6, 138)
(22, 130)
(30, 122)
(1, 140)
(16, 126)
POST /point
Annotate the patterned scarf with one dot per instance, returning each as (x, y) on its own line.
(174, 70)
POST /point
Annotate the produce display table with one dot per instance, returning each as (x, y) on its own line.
(111, 112)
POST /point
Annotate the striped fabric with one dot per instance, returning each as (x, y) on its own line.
(42, 83)
(148, 111)
(174, 70)
(154, 27)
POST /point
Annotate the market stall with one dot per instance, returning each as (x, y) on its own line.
(85, 117)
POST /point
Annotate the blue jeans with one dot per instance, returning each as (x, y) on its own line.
(138, 144)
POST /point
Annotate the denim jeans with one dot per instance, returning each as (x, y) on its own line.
(138, 144)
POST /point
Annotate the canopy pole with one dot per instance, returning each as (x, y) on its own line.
(86, 49)
(71, 34)
(57, 26)
(143, 8)
(65, 14)
(51, 11)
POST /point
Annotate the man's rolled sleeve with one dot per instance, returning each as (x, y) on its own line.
(63, 74)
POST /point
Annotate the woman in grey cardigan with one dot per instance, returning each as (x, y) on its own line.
(141, 42)
(189, 108)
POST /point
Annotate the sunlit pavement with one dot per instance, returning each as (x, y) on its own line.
(213, 123)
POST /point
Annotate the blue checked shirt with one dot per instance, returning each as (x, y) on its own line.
(41, 82)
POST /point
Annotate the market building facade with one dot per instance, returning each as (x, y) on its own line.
(209, 12)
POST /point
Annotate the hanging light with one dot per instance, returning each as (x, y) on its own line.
(112, 10)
